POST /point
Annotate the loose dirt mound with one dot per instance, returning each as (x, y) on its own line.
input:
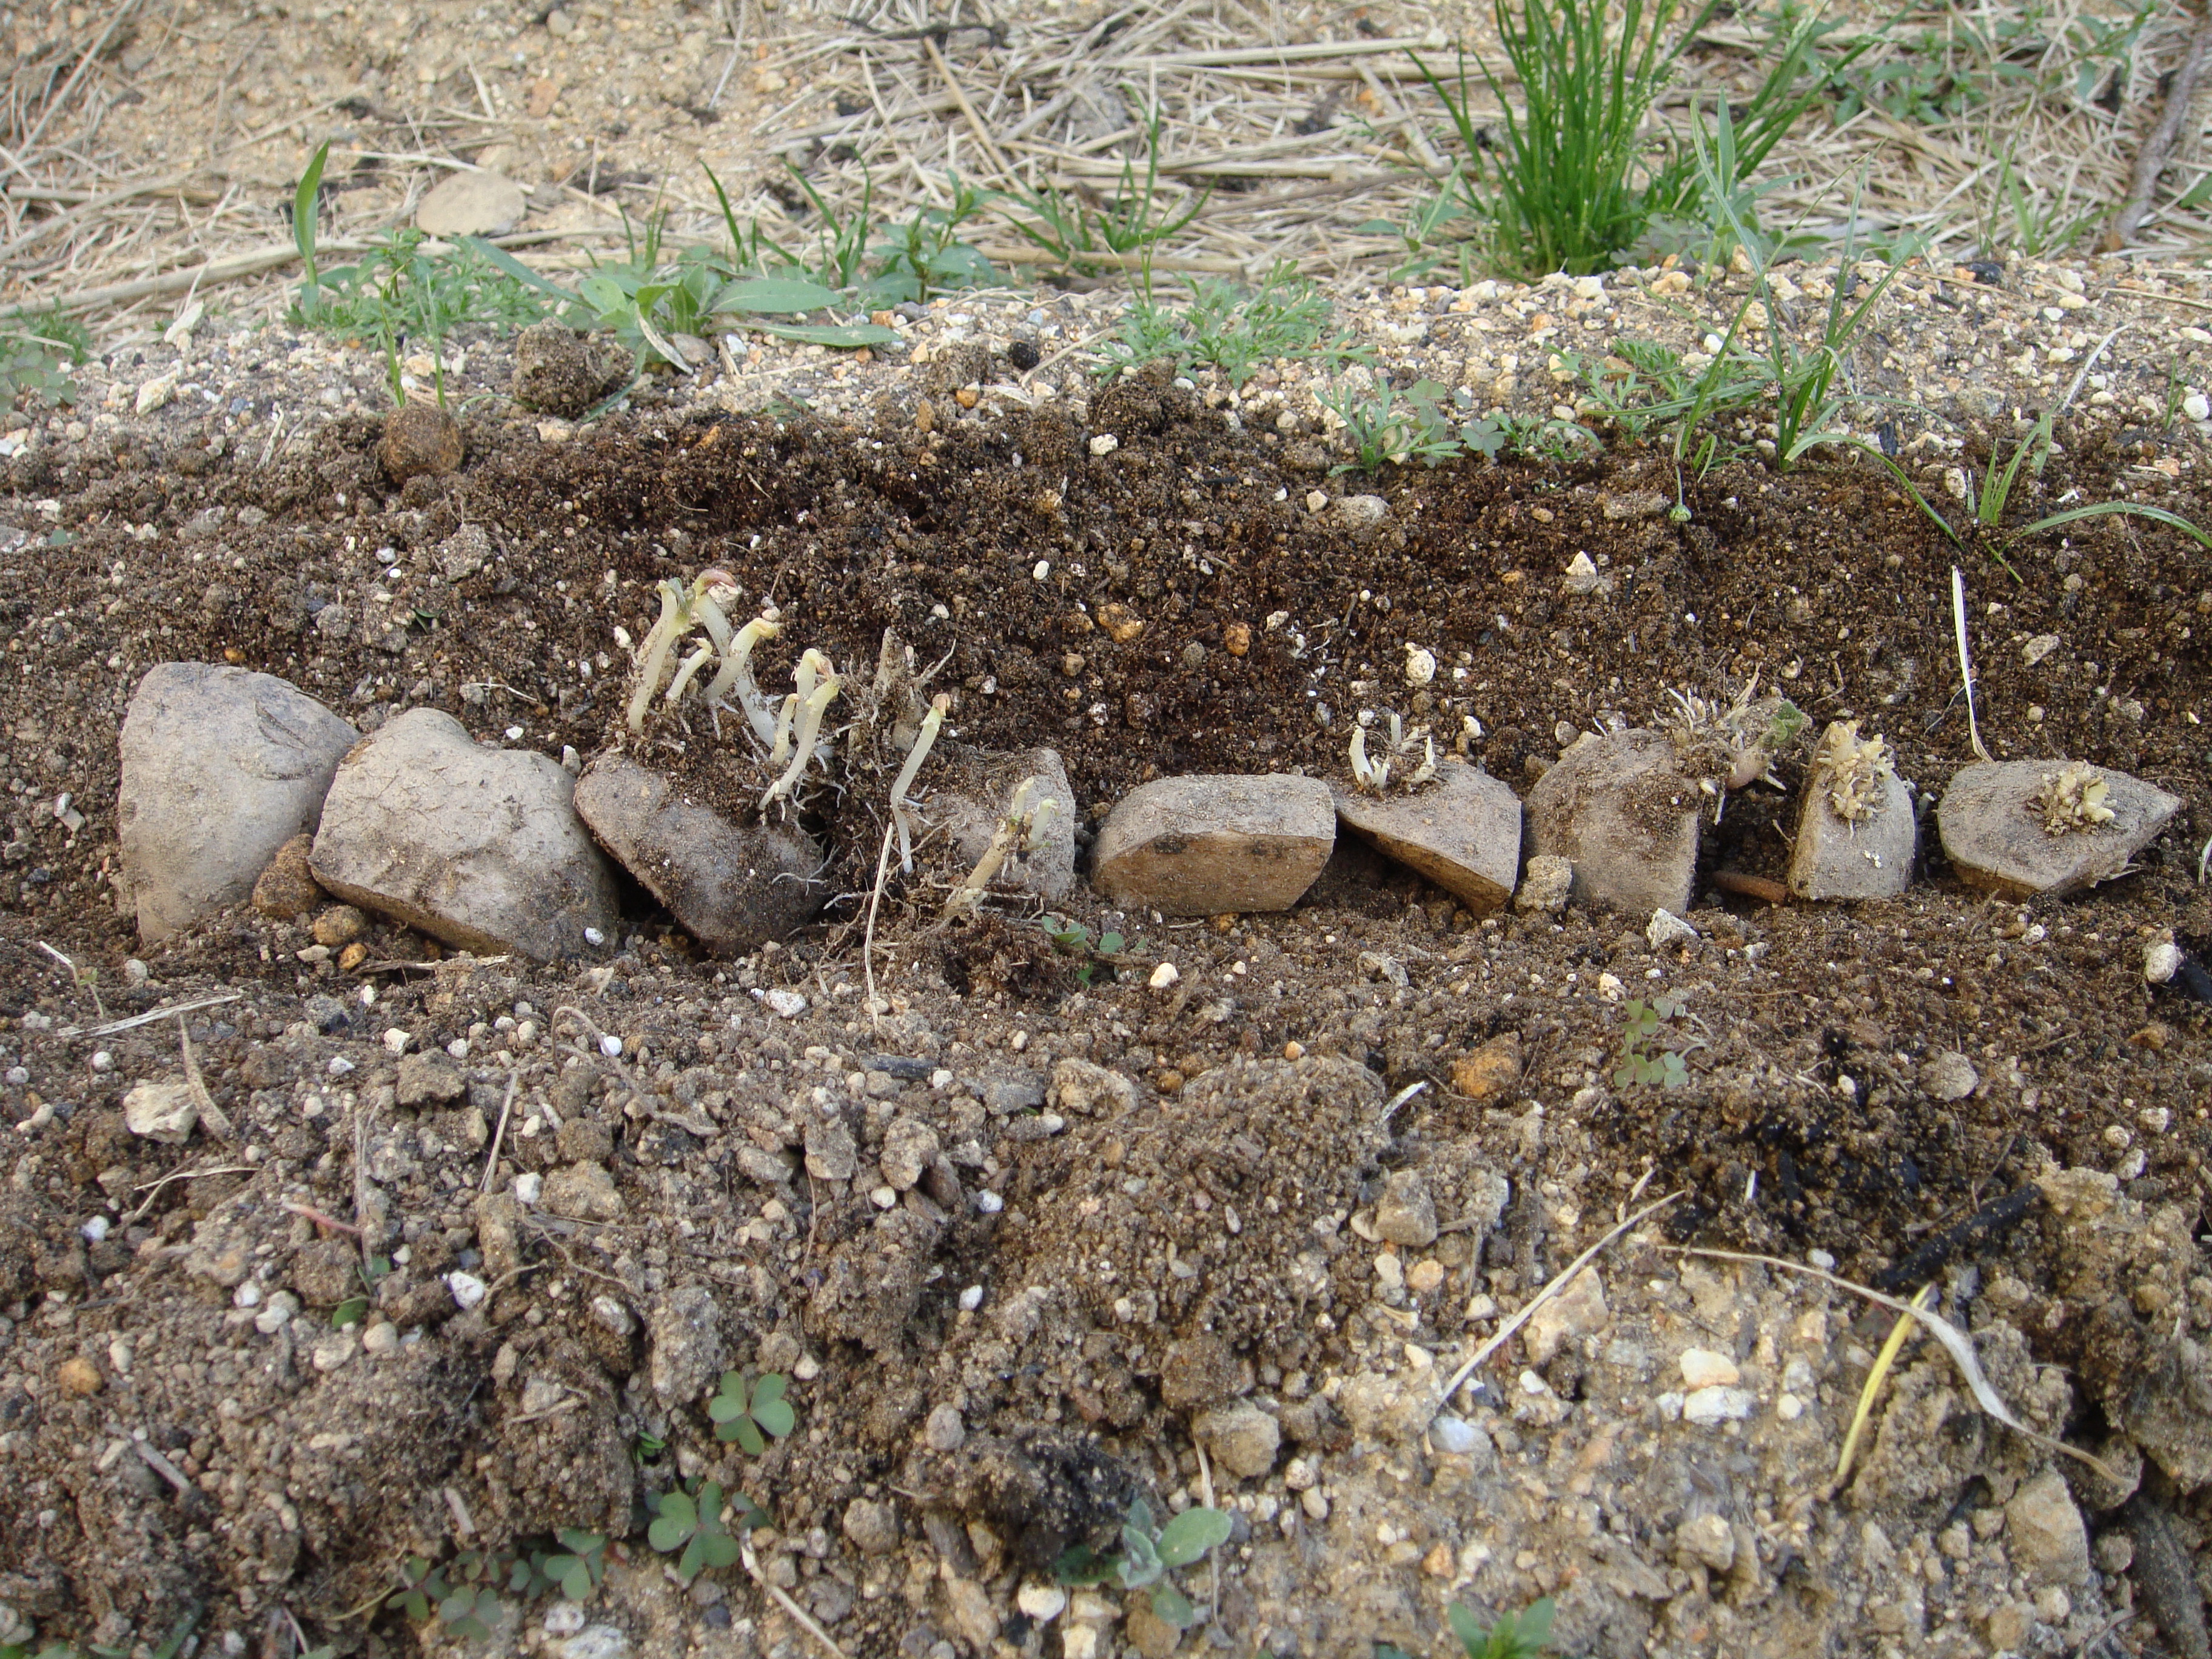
(1194, 1228)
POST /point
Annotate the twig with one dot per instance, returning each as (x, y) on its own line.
(868, 938)
(152, 1189)
(2151, 160)
(491, 1163)
(91, 57)
(163, 1467)
(1504, 1333)
(1959, 1347)
(322, 1220)
(806, 1619)
(210, 1114)
(113, 1026)
(76, 978)
(960, 97)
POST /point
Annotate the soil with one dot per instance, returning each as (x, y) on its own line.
(1192, 1223)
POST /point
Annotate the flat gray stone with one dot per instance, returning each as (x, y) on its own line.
(220, 768)
(478, 846)
(1994, 835)
(1461, 831)
(730, 887)
(1210, 845)
(1619, 809)
(971, 798)
(472, 204)
(1835, 858)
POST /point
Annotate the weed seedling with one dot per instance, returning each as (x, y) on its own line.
(1381, 425)
(1227, 328)
(33, 350)
(1149, 1553)
(751, 1417)
(459, 1593)
(1072, 939)
(579, 1565)
(1515, 1635)
(1069, 229)
(692, 1525)
(1652, 1068)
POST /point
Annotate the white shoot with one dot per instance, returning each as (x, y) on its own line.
(1427, 769)
(810, 728)
(653, 659)
(692, 664)
(1363, 769)
(1024, 825)
(779, 749)
(915, 756)
(737, 672)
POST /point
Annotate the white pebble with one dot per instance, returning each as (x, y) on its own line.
(95, 1230)
(787, 1003)
(248, 1295)
(528, 1187)
(459, 1048)
(1043, 569)
(1104, 444)
(339, 1065)
(103, 1061)
(468, 1290)
(2161, 960)
(1163, 976)
(2196, 407)
(1822, 1259)
(884, 1197)
(1452, 1434)
(593, 937)
(514, 734)
(18, 1076)
(1712, 1405)
(989, 1203)
(396, 1040)
(1042, 1603)
(611, 1046)
(971, 1298)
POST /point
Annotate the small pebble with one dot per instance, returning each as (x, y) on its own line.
(989, 1203)
(468, 1290)
(396, 1040)
(971, 1298)
(593, 937)
(2161, 960)
(611, 1046)
(339, 1065)
(1452, 1434)
(103, 1061)
(1042, 1602)
(1104, 444)
(945, 1431)
(529, 1187)
(1163, 976)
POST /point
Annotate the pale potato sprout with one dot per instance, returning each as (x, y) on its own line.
(1023, 826)
(1854, 771)
(737, 675)
(930, 723)
(818, 698)
(2072, 800)
(1372, 775)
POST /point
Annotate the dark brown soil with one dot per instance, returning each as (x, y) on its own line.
(1827, 583)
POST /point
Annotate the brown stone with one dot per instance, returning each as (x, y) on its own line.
(1461, 831)
(1993, 832)
(342, 924)
(1490, 1071)
(419, 440)
(286, 890)
(1621, 811)
(78, 1376)
(1198, 845)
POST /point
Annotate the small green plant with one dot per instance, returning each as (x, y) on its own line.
(1640, 1064)
(1075, 232)
(751, 1415)
(926, 255)
(691, 1523)
(460, 1594)
(1072, 939)
(1149, 1553)
(33, 347)
(1515, 1635)
(577, 1565)
(1382, 425)
(1229, 328)
(1564, 197)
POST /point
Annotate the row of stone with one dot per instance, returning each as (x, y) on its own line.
(495, 850)
(1617, 822)
(237, 784)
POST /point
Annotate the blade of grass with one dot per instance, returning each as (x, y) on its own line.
(1883, 1362)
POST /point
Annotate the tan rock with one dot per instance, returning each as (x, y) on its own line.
(1491, 1070)
(2044, 1533)
(78, 1376)
(286, 890)
(1461, 831)
(733, 886)
(1995, 832)
(161, 1111)
(1578, 1310)
(472, 203)
(1241, 1436)
(1619, 809)
(478, 846)
(1201, 846)
(583, 1192)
